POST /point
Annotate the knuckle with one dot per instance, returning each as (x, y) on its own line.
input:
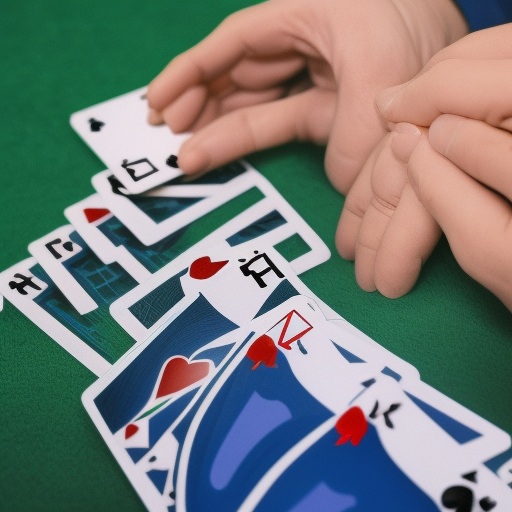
(356, 205)
(383, 206)
(247, 130)
(232, 18)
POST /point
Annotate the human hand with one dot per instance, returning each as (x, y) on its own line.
(298, 69)
(464, 185)
(468, 189)
(383, 225)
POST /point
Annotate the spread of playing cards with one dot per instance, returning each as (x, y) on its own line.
(224, 383)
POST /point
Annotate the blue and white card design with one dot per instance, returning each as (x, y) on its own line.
(91, 286)
(141, 156)
(228, 418)
(245, 281)
(231, 435)
(81, 276)
(160, 212)
(115, 238)
(142, 310)
(95, 339)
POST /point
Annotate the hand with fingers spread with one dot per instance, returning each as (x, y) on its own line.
(459, 170)
(298, 69)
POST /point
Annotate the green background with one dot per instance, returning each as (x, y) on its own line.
(57, 57)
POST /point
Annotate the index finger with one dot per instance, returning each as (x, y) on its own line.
(478, 89)
(260, 29)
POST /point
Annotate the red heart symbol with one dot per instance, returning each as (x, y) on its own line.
(263, 350)
(179, 374)
(130, 430)
(352, 426)
(204, 268)
(92, 214)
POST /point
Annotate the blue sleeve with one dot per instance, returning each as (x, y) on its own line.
(485, 13)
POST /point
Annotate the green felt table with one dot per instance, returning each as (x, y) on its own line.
(58, 57)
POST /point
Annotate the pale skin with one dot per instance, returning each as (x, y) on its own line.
(444, 166)
(298, 70)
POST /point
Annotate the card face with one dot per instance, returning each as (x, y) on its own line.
(321, 475)
(109, 238)
(263, 396)
(82, 277)
(162, 211)
(91, 219)
(140, 155)
(93, 340)
(112, 241)
(144, 309)
(243, 416)
(165, 375)
(140, 432)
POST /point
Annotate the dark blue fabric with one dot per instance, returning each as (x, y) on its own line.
(486, 13)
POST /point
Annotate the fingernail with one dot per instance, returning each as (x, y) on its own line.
(386, 97)
(155, 117)
(442, 131)
(405, 138)
(194, 161)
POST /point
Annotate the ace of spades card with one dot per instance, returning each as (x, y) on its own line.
(140, 155)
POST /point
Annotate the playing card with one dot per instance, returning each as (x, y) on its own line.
(480, 438)
(113, 242)
(258, 390)
(82, 277)
(242, 415)
(158, 380)
(108, 238)
(144, 309)
(162, 211)
(317, 474)
(503, 465)
(140, 155)
(94, 339)
(140, 429)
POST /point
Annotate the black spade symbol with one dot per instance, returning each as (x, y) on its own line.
(458, 498)
(172, 161)
(96, 125)
(68, 246)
